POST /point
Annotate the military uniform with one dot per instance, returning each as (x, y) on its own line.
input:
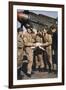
(28, 42)
(39, 53)
(20, 50)
(47, 39)
(55, 49)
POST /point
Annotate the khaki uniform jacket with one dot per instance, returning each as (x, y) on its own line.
(20, 50)
(48, 45)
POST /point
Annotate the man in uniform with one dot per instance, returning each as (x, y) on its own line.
(28, 46)
(54, 47)
(19, 46)
(38, 52)
(47, 43)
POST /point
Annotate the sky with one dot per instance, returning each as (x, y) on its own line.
(53, 14)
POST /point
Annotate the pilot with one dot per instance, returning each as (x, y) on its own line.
(38, 52)
(47, 43)
(28, 44)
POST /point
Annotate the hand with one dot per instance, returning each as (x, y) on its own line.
(38, 44)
